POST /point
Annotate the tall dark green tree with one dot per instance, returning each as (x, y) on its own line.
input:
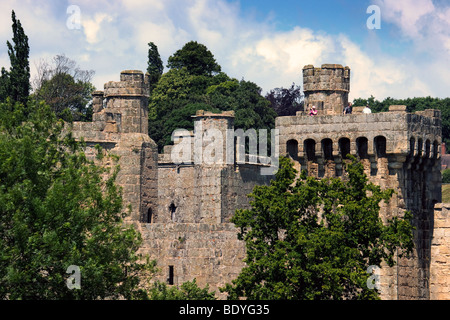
(315, 239)
(196, 58)
(4, 85)
(155, 66)
(16, 83)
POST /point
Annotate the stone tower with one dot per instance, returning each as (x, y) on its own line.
(399, 150)
(127, 102)
(192, 236)
(120, 127)
(326, 88)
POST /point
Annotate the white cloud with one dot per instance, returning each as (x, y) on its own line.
(381, 75)
(427, 25)
(407, 14)
(91, 27)
(114, 37)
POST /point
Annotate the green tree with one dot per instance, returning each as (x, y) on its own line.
(286, 102)
(4, 85)
(58, 209)
(16, 83)
(251, 109)
(176, 97)
(315, 239)
(155, 66)
(196, 58)
(180, 92)
(65, 88)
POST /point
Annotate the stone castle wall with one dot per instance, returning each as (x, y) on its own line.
(183, 209)
(191, 236)
(399, 150)
(204, 195)
(210, 253)
(440, 254)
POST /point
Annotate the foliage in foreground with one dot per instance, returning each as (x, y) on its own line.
(314, 239)
(57, 209)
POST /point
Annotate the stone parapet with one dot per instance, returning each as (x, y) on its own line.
(405, 133)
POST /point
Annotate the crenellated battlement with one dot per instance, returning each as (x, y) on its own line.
(132, 84)
(395, 132)
(329, 77)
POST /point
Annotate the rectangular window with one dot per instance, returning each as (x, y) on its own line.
(170, 279)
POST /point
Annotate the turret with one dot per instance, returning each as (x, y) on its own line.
(326, 88)
(127, 102)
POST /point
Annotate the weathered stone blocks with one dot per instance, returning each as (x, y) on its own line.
(183, 210)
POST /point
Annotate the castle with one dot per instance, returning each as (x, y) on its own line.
(183, 208)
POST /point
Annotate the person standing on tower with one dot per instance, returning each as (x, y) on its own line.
(367, 109)
(313, 111)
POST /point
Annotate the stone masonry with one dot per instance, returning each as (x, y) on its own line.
(183, 209)
(120, 127)
(191, 237)
(326, 88)
(440, 254)
(399, 150)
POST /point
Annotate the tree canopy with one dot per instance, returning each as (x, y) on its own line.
(65, 88)
(286, 101)
(312, 239)
(57, 210)
(196, 58)
(189, 290)
(180, 92)
(15, 83)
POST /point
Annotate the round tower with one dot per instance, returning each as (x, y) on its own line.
(326, 88)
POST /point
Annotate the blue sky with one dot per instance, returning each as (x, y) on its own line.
(267, 42)
(325, 15)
